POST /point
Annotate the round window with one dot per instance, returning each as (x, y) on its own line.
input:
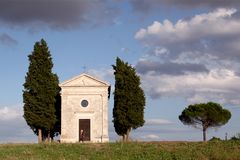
(84, 103)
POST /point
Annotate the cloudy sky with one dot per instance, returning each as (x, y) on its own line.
(185, 52)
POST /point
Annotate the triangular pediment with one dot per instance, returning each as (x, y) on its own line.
(84, 80)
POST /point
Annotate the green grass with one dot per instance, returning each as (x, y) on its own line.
(220, 150)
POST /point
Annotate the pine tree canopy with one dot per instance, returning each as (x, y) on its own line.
(205, 115)
(40, 90)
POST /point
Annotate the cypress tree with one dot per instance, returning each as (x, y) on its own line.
(40, 91)
(129, 100)
(57, 127)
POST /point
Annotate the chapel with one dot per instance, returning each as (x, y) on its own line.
(84, 108)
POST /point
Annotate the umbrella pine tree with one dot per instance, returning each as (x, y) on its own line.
(204, 116)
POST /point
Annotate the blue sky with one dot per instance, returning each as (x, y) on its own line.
(185, 52)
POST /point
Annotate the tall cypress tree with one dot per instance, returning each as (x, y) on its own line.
(40, 92)
(129, 99)
(57, 127)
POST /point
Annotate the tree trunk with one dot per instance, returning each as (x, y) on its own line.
(39, 135)
(127, 135)
(204, 134)
(124, 137)
(48, 137)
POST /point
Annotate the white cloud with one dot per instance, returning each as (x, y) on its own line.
(13, 126)
(215, 33)
(161, 51)
(102, 73)
(150, 137)
(207, 24)
(157, 121)
(218, 85)
(202, 60)
(10, 113)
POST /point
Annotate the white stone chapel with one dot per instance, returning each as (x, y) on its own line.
(84, 107)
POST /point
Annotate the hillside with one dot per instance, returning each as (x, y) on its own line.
(129, 151)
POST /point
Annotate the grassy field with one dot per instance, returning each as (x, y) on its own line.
(220, 150)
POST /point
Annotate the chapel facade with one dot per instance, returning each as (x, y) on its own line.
(84, 108)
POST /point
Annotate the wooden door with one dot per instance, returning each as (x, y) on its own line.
(84, 124)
